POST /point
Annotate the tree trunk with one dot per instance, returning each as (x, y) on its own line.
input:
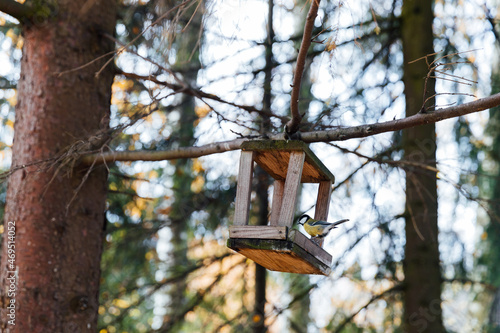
(491, 187)
(59, 213)
(187, 51)
(421, 264)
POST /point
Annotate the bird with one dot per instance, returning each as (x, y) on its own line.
(317, 228)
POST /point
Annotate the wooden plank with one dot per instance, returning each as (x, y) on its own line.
(323, 201)
(323, 204)
(270, 156)
(308, 245)
(274, 162)
(244, 188)
(258, 231)
(279, 255)
(314, 161)
(278, 189)
(291, 189)
(259, 145)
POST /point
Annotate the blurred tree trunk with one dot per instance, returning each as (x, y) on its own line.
(421, 263)
(263, 181)
(187, 55)
(491, 187)
(263, 178)
(58, 212)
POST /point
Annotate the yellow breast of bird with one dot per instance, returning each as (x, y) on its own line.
(313, 230)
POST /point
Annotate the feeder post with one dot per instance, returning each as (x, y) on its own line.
(244, 188)
(291, 188)
(323, 203)
(278, 189)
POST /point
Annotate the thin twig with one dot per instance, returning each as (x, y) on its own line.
(396, 288)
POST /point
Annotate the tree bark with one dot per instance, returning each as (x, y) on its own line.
(491, 189)
(59, 213)
(421, 263)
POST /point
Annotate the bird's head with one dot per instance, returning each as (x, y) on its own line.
(303, 219)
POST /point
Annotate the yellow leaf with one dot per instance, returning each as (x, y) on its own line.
(197, 184)
(330, 44)
(12, 99)
(121, 303)
(141, 203)
(149, 255)
(197, 166)
(11, 34)
(202, 111)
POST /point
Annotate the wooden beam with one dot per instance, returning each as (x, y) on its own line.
(323, 201)
(278, 189)
(258, 231)
(273, 156)
(311, 247)
(323, 204)
(292, 184)
(244, 188)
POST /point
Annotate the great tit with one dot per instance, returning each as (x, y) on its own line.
(317, 228)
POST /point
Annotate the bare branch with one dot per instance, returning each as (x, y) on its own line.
(293, 125)
(340, 134)
(397, 288)
(184, 152)
(200, 94)
(15, 9)
(399, 124)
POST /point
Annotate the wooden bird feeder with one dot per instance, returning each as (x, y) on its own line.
(276, 246)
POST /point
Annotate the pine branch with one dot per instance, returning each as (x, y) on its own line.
(15, 9)
(339, 134)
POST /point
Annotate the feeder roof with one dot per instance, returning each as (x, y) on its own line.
(273, 157)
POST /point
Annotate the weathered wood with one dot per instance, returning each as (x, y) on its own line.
(323, 201)
(273, 156)
(244, 187)
(258, 231)
(279, 255)
(323, 204)
(310, 246)
(276, 247)
(279, 187)
(292, 184)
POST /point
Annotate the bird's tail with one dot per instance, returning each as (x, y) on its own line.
(339, 222)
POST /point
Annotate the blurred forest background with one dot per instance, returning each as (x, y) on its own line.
(217, 70)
